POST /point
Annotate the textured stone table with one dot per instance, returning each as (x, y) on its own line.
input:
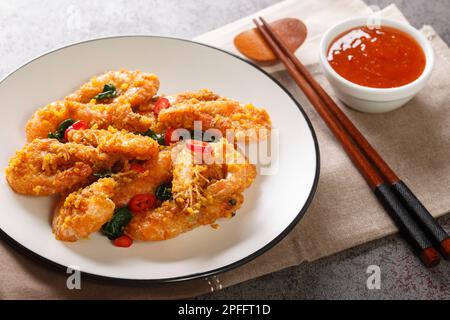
(31, 27)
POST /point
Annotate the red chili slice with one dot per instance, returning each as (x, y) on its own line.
(198, 146)
(77, 125)
(162, 103)
(137, 167)
(142, 202)
(123, 241)
(169, 138)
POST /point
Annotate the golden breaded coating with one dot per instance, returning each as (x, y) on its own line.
(112, 141)
(46, 120)
(134, 87)
(201, 194)
(47, 166)
(243, 122)
(114, 110)
(200, 95)
(240, 174)
(157, 172)
(119, 115)
(169, 220)
(84, 211)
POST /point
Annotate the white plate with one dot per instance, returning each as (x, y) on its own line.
(273, 205)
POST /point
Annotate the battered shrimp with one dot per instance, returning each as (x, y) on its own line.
(119, 115)
(84, 211)
(134, 87)
(157, 172)
(201, 95)
(46, 120)
(188, 178)
(112, 141)
(202, 193)
(226, 173)
(243, 122)
(240, 174)
(47, 166)
(169, 221)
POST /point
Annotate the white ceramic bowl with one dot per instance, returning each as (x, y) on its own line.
(374, 100)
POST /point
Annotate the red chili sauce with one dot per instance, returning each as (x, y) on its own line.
(378, 58)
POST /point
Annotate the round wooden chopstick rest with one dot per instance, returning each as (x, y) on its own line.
(252, 45)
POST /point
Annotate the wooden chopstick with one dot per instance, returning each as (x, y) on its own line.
(439, 236)
(382, 190)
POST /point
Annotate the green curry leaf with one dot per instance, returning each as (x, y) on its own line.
(115, 227)
(109, 92)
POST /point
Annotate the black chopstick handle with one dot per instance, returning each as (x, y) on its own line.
(431, 226)
(407, 225)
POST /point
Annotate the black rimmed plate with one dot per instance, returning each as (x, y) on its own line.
(273, 204)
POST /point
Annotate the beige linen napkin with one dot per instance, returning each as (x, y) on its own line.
(415, 140)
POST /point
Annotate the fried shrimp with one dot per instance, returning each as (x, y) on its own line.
(135, 162)
(169, 221)
(46, 120)
(112, 141)
(201, 95)
(202, 193)
(157, 171)
(240, 174)
(133, 87)
(188, 178)
(47, 166)
(84, 211)
(119, 115)
(227, 173)
(241, 121)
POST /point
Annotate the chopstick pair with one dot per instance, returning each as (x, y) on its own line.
(421, 230)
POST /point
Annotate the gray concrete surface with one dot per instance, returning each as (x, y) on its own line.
(31, 27)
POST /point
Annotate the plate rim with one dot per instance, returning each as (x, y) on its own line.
(136, 282)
